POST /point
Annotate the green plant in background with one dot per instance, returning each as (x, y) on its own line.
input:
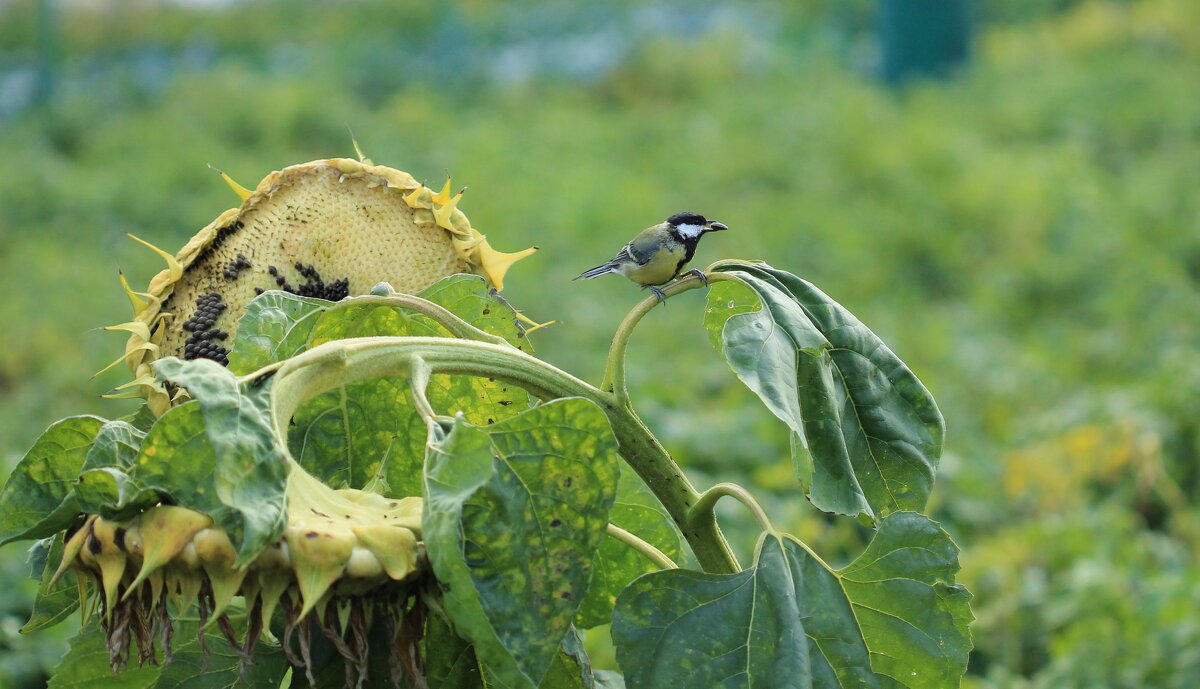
(254, 507)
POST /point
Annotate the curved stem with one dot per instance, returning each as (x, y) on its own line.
(340, 362)
(651, 553)
(703, 509)
(418, 383)
(445, 318)
(614, 371)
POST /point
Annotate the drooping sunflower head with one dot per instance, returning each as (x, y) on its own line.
(325, 229)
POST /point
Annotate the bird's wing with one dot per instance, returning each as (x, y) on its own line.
(641, 249)
(625, 256)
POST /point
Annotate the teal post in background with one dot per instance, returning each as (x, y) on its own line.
(923, 38)
(46, 60)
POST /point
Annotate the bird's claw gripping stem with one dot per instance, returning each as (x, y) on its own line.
(662, 298)
(700, 274)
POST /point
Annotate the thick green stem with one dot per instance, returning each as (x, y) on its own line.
(340, 362)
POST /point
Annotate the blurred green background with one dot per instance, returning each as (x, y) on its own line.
(1024, 232)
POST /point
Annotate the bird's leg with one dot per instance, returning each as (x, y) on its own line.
(662, 298)
(700, 274)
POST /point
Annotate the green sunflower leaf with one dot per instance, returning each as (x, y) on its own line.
(220, 457)
(514, 515)
(867, 435)
(38, 500)
(892, 618)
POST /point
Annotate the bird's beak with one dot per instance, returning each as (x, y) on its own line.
(715, 226)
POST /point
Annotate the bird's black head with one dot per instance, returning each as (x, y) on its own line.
(689, 226)
(686, 219)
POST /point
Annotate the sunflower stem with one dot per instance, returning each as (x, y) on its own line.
(651, 553)
(704, 507)
(614, 371)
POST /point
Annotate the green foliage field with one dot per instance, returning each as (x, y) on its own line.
(1024, 236)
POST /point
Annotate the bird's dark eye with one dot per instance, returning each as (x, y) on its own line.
(686, 219)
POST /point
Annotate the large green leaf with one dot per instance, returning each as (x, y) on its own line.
(867, 435)
(52, 604)
(362, 433)
(221, 668)
(105, 485)
(893, 618)
(617, 564)
(275, 326)
(683, 628)
(38, 500)
(85, 666)
(514, 514)
(369, 431)
(224, 461)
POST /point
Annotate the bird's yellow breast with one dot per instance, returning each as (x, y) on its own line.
(662, 266)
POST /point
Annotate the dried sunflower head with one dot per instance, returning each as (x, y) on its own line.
(326, 229)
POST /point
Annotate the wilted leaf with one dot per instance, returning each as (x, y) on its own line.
(38, 500)
(275, 326)
(893, 617)
(116, 445)
(514, 514)
(113, 494)
(867, 436)
(251, 468)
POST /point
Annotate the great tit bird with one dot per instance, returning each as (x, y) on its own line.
(658, 253)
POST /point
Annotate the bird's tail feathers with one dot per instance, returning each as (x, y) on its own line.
(596, 272)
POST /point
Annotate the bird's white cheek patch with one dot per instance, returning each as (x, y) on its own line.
(689, 231)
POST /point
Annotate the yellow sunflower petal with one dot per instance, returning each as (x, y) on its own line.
(173, 267)
(139, 304)
(242, 192)
(138, 328)
(494, 264)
